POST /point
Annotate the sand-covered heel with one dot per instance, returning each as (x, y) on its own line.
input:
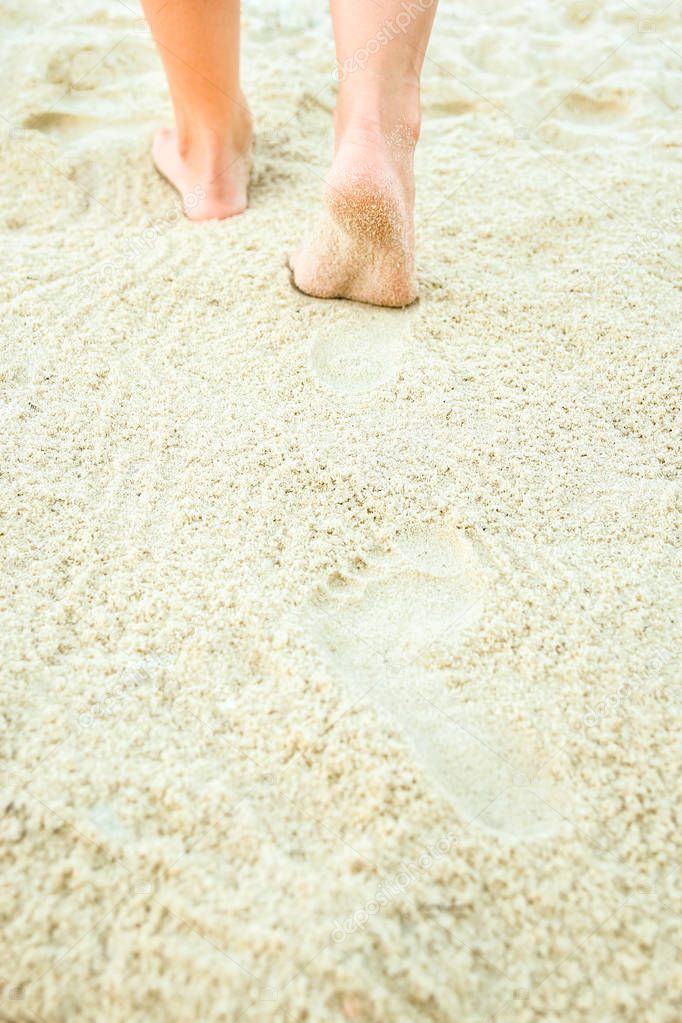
(362, 247)
(368, 213)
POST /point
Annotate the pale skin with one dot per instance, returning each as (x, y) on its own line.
(363, 244)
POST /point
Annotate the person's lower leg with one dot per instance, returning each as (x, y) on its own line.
(206, 155)
(380, 48)
(364, 248)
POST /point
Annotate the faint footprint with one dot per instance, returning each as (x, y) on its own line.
(70, 126)
(96, 66)
(381, 634)
(62, 124)
(597, 101)
(359, 348)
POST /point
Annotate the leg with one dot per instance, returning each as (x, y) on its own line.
(363, 247)
(206, 155)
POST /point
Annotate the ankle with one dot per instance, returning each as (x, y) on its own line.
(207, 142)
(373, 116)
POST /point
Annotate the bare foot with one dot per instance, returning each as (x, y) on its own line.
(363, 245)
(211, 172)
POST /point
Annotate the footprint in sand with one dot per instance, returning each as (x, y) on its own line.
(64, 125)
(382, 634)
(597, 101)
(359, 349)
(70, 126)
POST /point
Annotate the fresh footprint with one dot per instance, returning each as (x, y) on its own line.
(381, 634)
(359, 348)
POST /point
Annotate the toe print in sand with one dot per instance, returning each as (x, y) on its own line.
(385, 634)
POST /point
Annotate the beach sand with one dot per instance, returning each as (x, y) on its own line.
(339, 644)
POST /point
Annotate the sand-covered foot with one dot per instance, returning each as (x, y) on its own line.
(211, 174)
(362, 247)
